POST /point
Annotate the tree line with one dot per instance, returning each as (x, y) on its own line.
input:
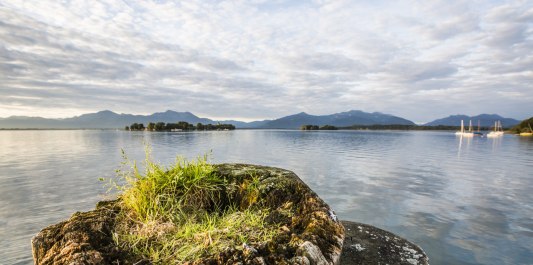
(309, 127)
(407, 127)
(523, 127)
(179, 126)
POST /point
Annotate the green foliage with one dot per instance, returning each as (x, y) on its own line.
(160, 126)
(200, 127)
(523, 127)
(328, 127)
(137, 127)
(178, 214)
(151, 126)
(180, 126)
(309, 127)
(199, 236)
(186, 186)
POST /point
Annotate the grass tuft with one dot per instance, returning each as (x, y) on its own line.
(178, 214)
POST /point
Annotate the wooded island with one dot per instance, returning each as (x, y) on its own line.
(180, 126)
(309, 127)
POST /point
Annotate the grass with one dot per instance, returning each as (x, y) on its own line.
(177, 214)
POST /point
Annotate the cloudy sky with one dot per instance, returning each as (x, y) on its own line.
(257, 59)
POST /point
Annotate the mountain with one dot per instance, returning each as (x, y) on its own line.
(173, 116)
(107, 119)
(342, 119)
(245, 125)
(29, 122)
(485, 120)
(103, 119)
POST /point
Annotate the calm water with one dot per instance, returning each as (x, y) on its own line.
(465, 201)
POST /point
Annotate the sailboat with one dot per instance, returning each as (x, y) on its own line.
(464, 133)
(478, 133)
(498, 130)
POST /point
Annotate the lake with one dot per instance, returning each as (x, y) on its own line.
(464, 201)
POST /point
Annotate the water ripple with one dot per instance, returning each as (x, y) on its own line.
(465, 201)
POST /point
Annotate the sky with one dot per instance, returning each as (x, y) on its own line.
(255, 59)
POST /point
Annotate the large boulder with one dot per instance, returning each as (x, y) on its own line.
(309, 232)
(366, 244)
(85, 238)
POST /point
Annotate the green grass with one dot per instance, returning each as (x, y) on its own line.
(176, 214)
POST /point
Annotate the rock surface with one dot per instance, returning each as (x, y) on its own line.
(309, 230)
(86, 238)
(365, 244)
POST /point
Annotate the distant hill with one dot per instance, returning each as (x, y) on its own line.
(343, 119)
(485, 120)
(103, 119)
(245, 125)
(30, 122)
(109, 120)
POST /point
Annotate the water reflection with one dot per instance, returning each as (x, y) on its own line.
(465, 200)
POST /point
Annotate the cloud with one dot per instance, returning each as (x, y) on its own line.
(265, 59)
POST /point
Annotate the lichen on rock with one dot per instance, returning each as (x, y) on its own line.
(365, 244)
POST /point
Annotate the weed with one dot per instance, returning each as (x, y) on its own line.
(176, 214)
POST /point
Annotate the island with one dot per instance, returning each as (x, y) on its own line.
(309, 127)
(179, 126)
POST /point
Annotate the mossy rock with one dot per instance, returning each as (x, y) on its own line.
(85, 238)
(309, 232)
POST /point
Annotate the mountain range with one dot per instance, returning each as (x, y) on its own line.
(104, 119)
(485, 120)
(107, 119)
(342, 119)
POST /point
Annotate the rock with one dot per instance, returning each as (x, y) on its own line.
(85, 238)
(306, 226)
(309, 230)
(312, 253)
(365, 244)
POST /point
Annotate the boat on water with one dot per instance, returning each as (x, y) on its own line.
(478, 132)
(464, 133)
(498, 130)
